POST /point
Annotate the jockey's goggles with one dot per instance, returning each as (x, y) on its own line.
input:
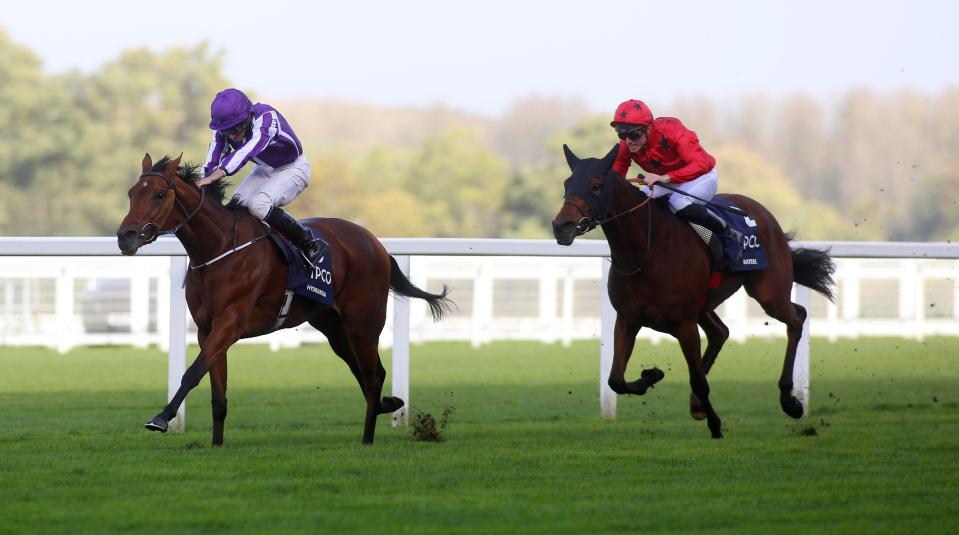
(235, 130)
(631, 134)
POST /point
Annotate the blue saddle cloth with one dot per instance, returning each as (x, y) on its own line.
(754, 257)
(312, 282)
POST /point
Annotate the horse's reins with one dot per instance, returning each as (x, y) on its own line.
(228, 252)
(189, 215)
(586, 224)
(674, 189)
(591, 223)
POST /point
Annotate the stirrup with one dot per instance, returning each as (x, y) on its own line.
(316, 251)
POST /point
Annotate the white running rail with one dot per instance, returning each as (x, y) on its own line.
(555, 314)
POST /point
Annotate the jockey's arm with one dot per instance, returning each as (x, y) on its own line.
(651, 180)
(217, 174)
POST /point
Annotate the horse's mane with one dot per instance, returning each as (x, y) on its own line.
(636, 193)
(190, 173)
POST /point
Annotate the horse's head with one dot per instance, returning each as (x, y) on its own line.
(152, 199)
(589, 194)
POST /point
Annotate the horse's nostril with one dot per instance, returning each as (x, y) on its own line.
(127, 241)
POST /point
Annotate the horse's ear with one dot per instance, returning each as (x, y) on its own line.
(571, 159)
(610, 157)
(147, 162)
(173, 165)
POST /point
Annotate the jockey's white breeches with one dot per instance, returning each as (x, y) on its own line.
(266, 187)
(703, 187)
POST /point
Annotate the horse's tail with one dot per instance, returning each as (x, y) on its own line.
(439, 303)
(814, 268)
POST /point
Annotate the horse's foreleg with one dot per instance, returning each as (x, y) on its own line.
(624, 339)
(188, 382)
(716, 335)
(224, 332)
(689, 342)
(218, 393)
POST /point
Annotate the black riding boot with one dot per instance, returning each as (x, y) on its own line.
(297, 233)
(697, 213)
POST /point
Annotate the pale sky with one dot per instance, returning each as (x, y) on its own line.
(479, 56)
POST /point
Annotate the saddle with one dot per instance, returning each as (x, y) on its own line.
(304, 279)
(723, 252)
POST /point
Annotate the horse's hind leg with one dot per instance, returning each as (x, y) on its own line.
(793, 315)
(363, 358)
(332, 327)
(373, 375)
(716, 335)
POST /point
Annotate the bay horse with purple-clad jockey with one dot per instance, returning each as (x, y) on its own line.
(237, 282)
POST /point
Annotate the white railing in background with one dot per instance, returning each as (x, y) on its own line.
(547, 305)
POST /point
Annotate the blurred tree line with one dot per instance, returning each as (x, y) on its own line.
(866, 167)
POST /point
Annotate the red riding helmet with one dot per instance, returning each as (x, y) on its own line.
(632, 112)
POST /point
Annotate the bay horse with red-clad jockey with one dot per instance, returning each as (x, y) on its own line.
(237, 283)
(660, 278)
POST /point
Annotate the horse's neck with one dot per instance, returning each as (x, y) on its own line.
(628, 235)
(209, 232)
(631, 236)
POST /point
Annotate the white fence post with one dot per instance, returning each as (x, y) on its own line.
(176, 364)
(567, 320)
(8, 290)
(401, 348)
(607, 398)
(547, 304)
(482, 306)
(65, 309)
(801, 364)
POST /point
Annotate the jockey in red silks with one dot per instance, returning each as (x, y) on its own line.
(245, 132)
(669, 150)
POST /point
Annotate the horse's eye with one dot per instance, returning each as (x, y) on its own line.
(597, 186)
(160, 194)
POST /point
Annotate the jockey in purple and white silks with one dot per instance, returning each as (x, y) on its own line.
(246, 132)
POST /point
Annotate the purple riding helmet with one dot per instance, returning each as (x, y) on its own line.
(230, 107)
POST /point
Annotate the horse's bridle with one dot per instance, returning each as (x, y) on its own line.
(586, 224)
(154, 228)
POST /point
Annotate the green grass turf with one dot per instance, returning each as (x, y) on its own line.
(526, 450)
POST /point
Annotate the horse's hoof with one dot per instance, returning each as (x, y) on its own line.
(648, 379)
(696, 409)
(390, 404)
(652, 376)
(158, 423)
(715, 428)
(792, 407)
